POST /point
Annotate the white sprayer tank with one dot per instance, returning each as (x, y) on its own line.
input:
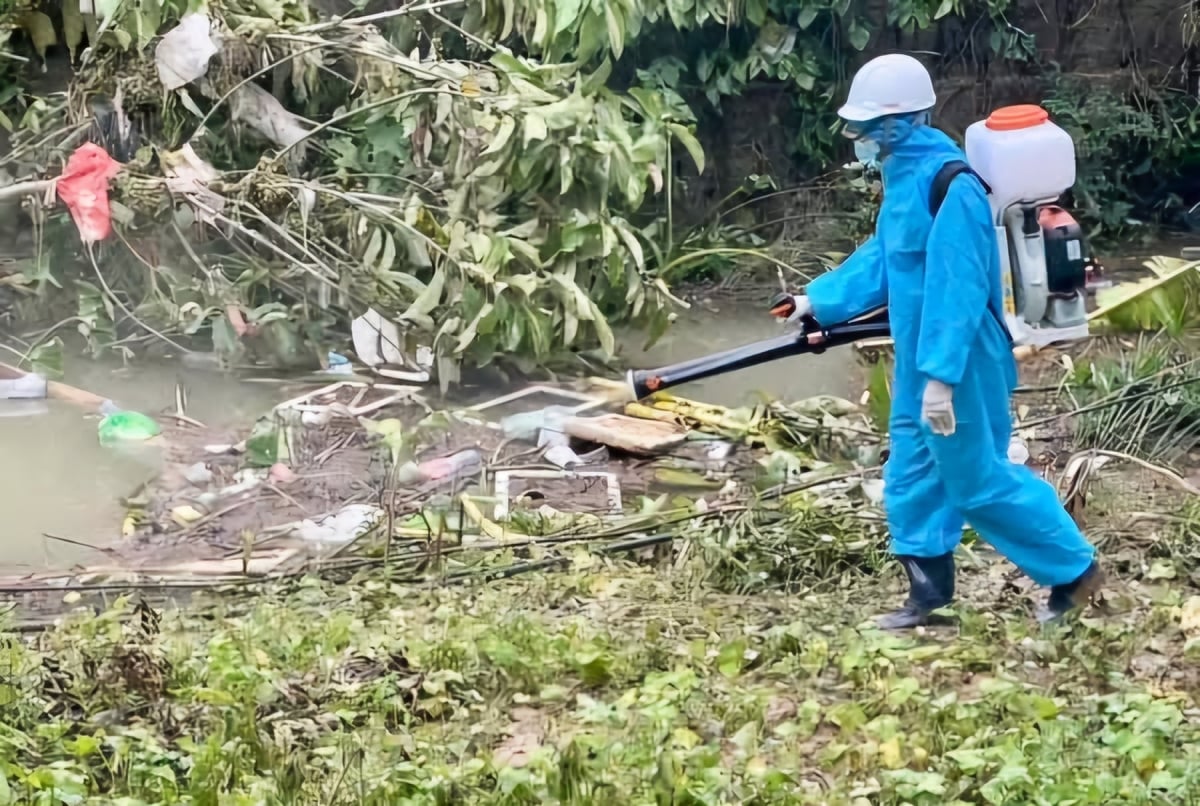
(1022, 156)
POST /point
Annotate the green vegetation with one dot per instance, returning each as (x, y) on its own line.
(506, 181)
(609, 683)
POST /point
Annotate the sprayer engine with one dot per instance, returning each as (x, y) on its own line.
(1049, 284)
(1028, 163)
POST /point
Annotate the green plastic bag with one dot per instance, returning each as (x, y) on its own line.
(127, 426)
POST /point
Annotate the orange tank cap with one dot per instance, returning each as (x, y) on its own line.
(1012, 118)
(1052, 217)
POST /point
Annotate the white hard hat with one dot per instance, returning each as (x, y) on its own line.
(888, 85)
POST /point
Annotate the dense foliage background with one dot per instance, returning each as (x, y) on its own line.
(512, 179)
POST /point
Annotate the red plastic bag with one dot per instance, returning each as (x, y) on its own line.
(83, 187)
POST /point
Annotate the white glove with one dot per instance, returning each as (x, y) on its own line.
(802, 307)
(937, 408)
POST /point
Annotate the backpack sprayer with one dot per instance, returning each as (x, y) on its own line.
(1025, 163)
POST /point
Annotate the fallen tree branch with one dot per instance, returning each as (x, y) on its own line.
(34, 187)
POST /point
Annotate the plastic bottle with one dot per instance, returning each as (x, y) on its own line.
(1022, 155)
(127, 426)
(527, 425)
(458, 465)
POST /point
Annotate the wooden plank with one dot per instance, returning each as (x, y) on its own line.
(628, 434)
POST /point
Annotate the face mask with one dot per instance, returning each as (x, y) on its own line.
(867, 153)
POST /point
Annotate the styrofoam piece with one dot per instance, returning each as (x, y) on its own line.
(504, 477)
(304, 403)
(583, 402)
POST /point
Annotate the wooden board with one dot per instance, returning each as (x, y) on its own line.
(628, 434)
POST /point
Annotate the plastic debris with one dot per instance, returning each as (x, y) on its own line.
(127, 426)
(83, 187)
(183, 515)
(379, 342)
(582, 402)
(376, 340)
(320, 406)
(188, 175)
(1018, 451)
(504, 479)
(528, 425)
(463, 463)
(338, 365)
(183, 54)
(562, 456)
(198, 474)
(717, 453)
(281, 474)
(28, 387)
(346, 526)
(261, 111)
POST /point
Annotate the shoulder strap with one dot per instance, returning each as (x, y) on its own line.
(937, 194)
(941, 183)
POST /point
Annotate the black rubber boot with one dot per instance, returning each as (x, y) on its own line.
(931, 586)
(1065, 598)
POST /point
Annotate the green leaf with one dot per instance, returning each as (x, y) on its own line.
(262, 446)
(945, 8)
(468, 335)
(685, 479)
(860, 36)
(598, 78)
(689, 142)
(427, 301)
(47, 358)
(631, 243)
(616, 28)
(879, 401)
(731, 658)
(374, 247)
(388, 259)
(503, 134)
(534, 128)
(807, 16)
(566, 14)
(608, 342)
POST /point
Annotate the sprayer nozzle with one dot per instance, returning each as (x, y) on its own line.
(632, 384)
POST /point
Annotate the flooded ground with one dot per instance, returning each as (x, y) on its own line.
(57, 481)
(55, 477)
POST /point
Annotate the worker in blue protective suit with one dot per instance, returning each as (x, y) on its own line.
(955, 373)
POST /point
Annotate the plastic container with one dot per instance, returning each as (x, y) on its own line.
(27, 387)
(1022, 155)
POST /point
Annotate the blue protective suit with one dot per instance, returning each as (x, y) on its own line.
(938, 279)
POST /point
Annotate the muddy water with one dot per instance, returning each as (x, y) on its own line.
(56, 479)
(711, 327)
